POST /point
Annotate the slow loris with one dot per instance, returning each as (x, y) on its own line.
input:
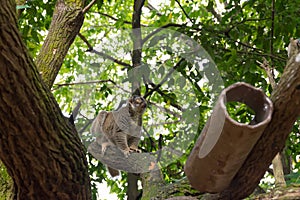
(121, 128)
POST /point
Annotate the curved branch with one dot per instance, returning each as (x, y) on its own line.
(104, 55)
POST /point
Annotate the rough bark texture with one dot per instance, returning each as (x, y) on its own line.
(286, 101)
(137, 44)
(66, 23)
(42, 152)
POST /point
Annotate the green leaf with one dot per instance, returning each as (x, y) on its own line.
(19, 7)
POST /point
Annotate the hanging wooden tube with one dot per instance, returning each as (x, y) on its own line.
(225, 143)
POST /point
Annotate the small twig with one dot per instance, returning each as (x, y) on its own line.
(85, 126)
(160, 29)
(234, 25)
(156, 87)
(116, 19)
(151, 141)
(165, 110)
(74, 113)
(159, 147)
(260, 54)
(85, 83)
(265, 65)
(88, 6)
(191, 20)
(166, 123)
(214, 12)
(150, 7)
(104, 55)
(90, 47)
(90, 82)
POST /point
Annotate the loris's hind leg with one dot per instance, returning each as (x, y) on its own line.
(121, 143)
(133, 143)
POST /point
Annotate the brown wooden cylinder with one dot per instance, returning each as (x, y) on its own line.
(224, 143)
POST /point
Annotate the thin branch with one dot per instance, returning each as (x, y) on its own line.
(90, 47)
(104, 55)
(214, 12)
(156, 87)
(150, 138)
(88, 6)
(160, 141)
(172, 104)
(56, 86)
(165, 123)
(74, 113)
(85, 126)
(165, 110)
(265, 65)
(243, 21)
(151, 8)
(185, 13)
(261, 54)
(116, 19)
(160, 29)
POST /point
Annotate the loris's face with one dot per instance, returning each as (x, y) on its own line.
(138, 103)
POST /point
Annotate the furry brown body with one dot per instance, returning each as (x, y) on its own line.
(121, 128)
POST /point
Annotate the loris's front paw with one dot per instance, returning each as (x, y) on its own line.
(126, 152)
(135, 149)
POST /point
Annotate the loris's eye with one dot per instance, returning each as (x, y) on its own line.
(138, 100)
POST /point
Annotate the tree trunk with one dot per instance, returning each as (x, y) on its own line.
(41, 150)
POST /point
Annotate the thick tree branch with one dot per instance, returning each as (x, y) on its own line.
(66, 23)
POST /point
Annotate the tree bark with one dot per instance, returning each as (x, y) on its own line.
(41, 150)
(65, 25)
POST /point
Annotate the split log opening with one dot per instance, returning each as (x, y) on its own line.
(224, 142)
